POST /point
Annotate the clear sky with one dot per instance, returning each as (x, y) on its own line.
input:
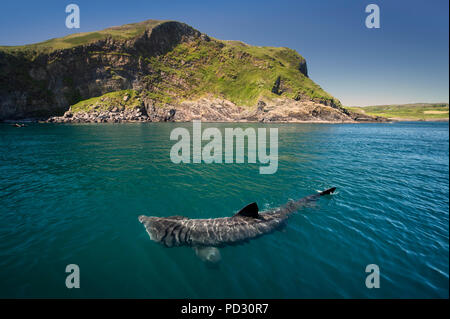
(405, 61)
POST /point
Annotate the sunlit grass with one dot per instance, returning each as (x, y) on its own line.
(418, 111)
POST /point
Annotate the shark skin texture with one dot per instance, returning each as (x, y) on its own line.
(205, 235)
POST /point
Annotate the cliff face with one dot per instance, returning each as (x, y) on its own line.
(170, 69)
(40, 83)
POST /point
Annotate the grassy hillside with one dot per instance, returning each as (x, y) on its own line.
(171, 64)
(119, 99)
(416, 111)
(124, 32)
(233, 70)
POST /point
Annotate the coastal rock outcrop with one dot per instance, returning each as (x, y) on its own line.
(167, 70)
(220, 110)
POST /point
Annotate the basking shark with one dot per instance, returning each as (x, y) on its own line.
(205, 235)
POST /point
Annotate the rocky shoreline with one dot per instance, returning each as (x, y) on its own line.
(220, 110)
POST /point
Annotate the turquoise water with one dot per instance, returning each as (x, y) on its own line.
(71, 194)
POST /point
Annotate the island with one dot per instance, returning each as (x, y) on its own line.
(156, 71)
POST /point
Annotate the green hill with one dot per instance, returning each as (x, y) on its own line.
(124, 32)
(163, 62)
(414, 111)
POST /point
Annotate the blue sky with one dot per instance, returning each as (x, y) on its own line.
(405, 61)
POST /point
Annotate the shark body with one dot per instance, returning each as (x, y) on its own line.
(204, 234)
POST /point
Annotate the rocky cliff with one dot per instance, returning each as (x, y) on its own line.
(159, 71)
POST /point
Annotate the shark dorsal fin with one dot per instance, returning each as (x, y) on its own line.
(251, 210)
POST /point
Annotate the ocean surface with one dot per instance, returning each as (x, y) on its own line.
(72, 194)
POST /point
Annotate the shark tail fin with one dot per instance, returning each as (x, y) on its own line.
(328, 191)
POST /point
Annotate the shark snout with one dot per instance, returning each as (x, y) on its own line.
(146, 219)
(151, 227)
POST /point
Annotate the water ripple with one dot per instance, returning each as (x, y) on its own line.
(72, 194)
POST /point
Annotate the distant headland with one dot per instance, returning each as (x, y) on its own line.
(407, 112)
